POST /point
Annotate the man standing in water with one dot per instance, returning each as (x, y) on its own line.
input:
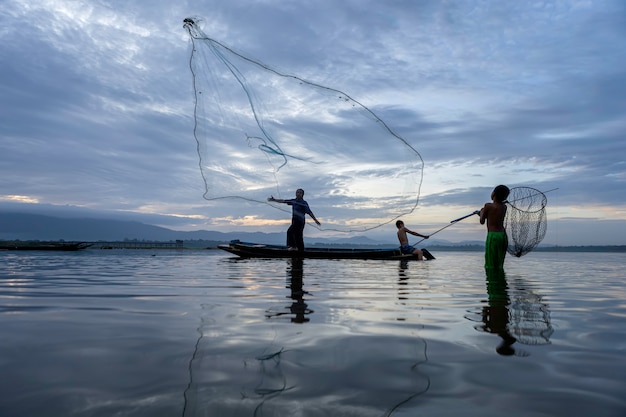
(299, 210)
(496, 315)
(493, 213)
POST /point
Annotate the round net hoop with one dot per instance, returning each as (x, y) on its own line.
(525, 220)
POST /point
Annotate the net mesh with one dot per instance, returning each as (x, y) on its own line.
(526, 220)
(261, 132)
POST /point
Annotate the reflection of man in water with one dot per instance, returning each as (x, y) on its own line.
(298, 308)
(496, 314)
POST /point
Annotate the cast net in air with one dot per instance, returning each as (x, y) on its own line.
(261, 132)
(526, 221)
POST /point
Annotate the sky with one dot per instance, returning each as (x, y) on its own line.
(98, 106)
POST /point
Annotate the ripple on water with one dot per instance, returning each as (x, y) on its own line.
(199, 333)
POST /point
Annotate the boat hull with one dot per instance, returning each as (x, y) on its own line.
(256, 250)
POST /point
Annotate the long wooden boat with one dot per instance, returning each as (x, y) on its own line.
(53, 246)
(258, 250)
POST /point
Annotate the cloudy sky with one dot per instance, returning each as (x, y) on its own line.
(98, 107)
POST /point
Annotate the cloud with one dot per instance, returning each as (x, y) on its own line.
(97, 97)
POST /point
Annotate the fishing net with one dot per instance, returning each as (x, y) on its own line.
(529, 313)
(526, 220)
(516, 312)
(261, 132)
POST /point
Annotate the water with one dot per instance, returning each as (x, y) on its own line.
(198, 333)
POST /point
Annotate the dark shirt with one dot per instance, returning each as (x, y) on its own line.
(299, 208)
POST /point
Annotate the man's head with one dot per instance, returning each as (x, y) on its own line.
(500, 193)
(299, 193)
(399, 224)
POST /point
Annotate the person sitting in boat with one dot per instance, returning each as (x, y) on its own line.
(404, 241)
(299, 209)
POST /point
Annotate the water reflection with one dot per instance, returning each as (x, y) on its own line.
(403, 282)
(530, 314)
(421, 384)
(515, 312)
(273, 381)
(421, 387)
(298, 309)
(495, 315)
(404, 289)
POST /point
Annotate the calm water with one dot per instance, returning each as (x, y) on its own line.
(198, 333)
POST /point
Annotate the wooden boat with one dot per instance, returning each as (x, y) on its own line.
(54, 246)
(258, 250)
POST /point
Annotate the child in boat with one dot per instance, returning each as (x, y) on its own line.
(493, 213)
(404, 240)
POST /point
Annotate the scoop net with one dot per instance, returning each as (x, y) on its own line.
(526, 221)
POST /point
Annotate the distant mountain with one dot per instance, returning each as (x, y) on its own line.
(27, 226)
(40, 227)
(20, 226)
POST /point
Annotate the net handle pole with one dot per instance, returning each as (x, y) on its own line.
(450, 224)
(477, 212)
(532, 195)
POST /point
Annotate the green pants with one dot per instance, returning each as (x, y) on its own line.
(495, 250)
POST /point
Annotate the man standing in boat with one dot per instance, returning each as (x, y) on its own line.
(404, 240)
(299, 209)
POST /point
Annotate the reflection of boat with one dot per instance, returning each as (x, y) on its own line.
(256, 250)
(56, 246)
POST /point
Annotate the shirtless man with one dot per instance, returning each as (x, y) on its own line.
(404, 240)
(493, 213)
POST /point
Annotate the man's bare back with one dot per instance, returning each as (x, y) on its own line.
(494, 214)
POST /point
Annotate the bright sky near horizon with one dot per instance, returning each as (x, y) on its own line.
(97, 104)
